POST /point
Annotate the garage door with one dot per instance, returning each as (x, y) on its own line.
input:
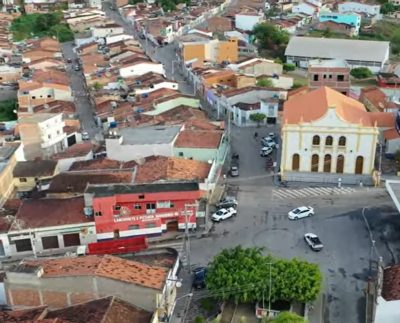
(50, 242)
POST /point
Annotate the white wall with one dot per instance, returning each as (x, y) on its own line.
(162, 85)
(130, 152)
(359, 7)
(303, 8)
(387, 312)
(104, 32)
(141, 68)
(246, 22)
(65, 163)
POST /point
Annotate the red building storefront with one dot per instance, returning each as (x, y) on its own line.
(146, 209)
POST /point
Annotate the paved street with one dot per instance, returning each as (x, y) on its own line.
(82, 101)
(262, 221)
(165, 55)
(7, 93)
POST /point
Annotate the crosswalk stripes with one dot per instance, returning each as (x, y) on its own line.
(287, 193)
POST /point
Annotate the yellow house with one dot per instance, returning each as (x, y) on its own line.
(8, 160)
(30, 174)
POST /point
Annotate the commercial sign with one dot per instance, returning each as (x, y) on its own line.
(150, 217)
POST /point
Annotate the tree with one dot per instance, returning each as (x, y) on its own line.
(257, 117)
(289, 67)
(286, 317)
(7, 109)
(97, 86)
(264, 82)
(388, 7)
(361, 72)
(270, 37)
(327, 33)
(242, 275)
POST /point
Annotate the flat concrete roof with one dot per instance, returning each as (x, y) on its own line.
(149, 135)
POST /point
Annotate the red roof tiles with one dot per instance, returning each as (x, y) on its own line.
(199, 139)
(49, 212)
(106, 266)
(158, 168)
(391, 283)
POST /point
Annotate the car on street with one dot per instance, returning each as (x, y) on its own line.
(313, 241)
(271, 135)
(265, 151)
(268, 142)
(227, 202)
(301, 212)
(234, 171)
(223, 214)
(199, 277)
(77, 68)
(69, 61)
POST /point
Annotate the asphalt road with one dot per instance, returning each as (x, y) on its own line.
(262, 221)
(82, 100)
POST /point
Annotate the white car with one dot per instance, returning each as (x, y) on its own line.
(301, 212)
(265, 151)
(223, 214)
(85, 135)
(268, 142)
(313, 241)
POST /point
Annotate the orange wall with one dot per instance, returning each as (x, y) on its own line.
(193, 51)
(227, 51)
(226, 79)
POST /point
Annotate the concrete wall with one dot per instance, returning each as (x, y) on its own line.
(141, 68)
(65, 163)
(310, 177)
(28, 290)
(262, 68)
(387, 312)
(247, 22)
(129, 152)
(7, 179)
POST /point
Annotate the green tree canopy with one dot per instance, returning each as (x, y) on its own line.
(257, 117)
(361, 72)
(270, 37)
(242, 275)
(264, 82)
(286, 317)
(289, 67)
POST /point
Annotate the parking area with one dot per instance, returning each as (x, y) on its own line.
(340, 221)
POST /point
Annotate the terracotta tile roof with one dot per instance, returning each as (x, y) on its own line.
(96, 164)
(391, 134)
(35, 213)
(106, 266)
(161, 168)
(77, 150)
(35, 168)
(391, 283)
(56, 106)
(28, 315)
(248, 106)
(299, 91)
(375, 97)
(199, 139)
(383, 119)
(315, 104)
(71, 182)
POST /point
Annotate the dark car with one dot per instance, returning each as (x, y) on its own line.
(227, 202)
(199, 277)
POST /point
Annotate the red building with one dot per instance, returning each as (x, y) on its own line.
(146, 209)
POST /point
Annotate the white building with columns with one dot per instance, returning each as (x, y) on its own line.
(329, 137)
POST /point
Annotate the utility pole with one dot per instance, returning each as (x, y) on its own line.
(270, 288)
(187, 237)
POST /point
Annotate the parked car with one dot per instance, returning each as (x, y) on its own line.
(265, 151)
(313, 241)
(271, 135)
(77, 68)
(69, 60)
(223, 214)
(301, 212)
(227, 202)
(85, 135)
(268, 142)
(199, 277)
(235, 156)
(234, 171)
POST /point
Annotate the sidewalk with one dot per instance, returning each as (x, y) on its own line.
(315, 312)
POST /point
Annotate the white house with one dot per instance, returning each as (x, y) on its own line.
(140, 68)
(247, 20)
(307, 8)
(42, 134)
(357, 53)
(156, 86)
(358, 7)
(241, 111)
(328, 137)
(48, 226)
(134, 143)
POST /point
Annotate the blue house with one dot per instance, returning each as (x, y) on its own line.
(351, 19)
